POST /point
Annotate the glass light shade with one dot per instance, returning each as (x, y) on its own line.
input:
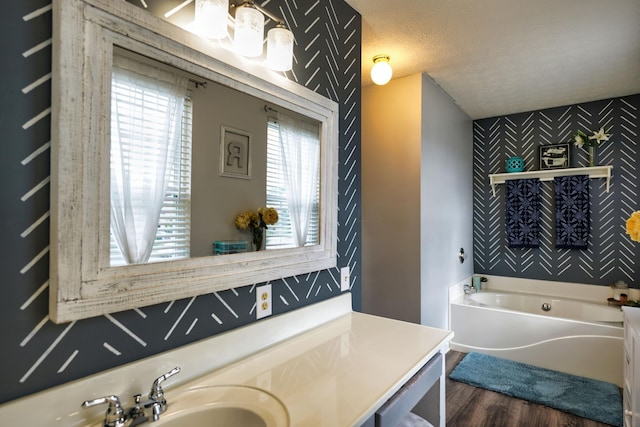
(249, 31)
(211, 18)
(279, 49)
(381, 72)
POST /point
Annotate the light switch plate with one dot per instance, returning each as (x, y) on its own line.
(263, 301)
(344, 278)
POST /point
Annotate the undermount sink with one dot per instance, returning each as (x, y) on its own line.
(225, 406)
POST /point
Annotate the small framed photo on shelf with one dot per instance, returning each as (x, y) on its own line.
(556, 156)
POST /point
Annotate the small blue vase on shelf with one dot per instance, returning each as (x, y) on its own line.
(514, 164)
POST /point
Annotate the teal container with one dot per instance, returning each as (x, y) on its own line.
(514, 164)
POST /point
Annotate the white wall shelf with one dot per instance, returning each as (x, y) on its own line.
(549, 174)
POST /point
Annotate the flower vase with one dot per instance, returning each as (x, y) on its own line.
(258, 238)
(592, 155)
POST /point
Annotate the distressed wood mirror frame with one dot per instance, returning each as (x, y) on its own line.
(82, 284)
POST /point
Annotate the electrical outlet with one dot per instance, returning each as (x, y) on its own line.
(344, 278)
(263, 301)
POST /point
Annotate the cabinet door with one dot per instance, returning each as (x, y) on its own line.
(400, 404)
(635, 379)
(630, 370)
(627, 386)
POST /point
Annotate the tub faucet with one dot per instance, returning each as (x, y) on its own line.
(117, 416)
(468, 289)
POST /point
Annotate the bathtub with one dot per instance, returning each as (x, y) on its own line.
(572, 336)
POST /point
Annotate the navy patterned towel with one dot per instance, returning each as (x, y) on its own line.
(572, 211)
(523, 212)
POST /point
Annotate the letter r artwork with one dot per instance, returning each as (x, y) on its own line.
(235, 153)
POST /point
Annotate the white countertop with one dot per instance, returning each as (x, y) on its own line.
(328, 365)
(340, 372)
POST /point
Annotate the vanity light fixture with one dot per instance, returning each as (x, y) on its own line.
(211, 18)
(381, 72)
(249, 31)
(279, 48)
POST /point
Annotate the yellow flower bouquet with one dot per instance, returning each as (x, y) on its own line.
(256, 222)
(633, 226)
(633, 230)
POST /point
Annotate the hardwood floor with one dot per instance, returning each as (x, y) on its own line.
(469, 406)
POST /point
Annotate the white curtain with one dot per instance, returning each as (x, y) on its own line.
(146, 111)
(300, 145)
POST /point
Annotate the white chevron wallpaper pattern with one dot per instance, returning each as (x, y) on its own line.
(37, 354)
(611, 256)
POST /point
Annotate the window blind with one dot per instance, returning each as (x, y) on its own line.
(173, 235)
(281, 235)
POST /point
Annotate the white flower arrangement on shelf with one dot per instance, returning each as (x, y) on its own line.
(581, 139)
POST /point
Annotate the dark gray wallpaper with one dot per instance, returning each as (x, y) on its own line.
(37, 354)
(611, 255)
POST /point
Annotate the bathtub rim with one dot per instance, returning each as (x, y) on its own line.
(570, 290)
(466, 300)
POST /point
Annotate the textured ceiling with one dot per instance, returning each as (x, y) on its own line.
(497, 57)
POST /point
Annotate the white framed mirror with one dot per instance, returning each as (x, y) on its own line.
(84, 281)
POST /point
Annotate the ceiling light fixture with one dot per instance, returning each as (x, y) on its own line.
(211, 22)
(381, 72)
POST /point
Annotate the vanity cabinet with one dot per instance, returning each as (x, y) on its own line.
(325, 364)
(631, 364)
(422, 387)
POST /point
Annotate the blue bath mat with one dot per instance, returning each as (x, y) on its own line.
(587, 398)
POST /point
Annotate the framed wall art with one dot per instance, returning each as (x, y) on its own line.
(235, 153)
(556, 156)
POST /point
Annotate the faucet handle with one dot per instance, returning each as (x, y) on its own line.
(157, 393)
(156, 388)
(114, 416)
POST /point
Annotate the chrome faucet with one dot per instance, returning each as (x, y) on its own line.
(117, 416)
(156, 394)
(468, 289)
